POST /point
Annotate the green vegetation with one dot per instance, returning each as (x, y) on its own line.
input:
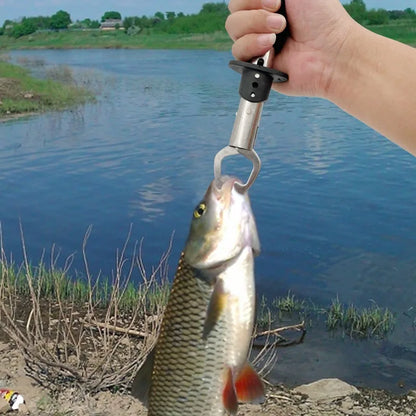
(111, 15)
(117, 39)
(171, 30)
(403, 31)
(21, 93)
(358, 11)
(289, 303)
(366, 322)
(52, 284)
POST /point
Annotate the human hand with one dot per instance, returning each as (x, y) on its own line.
(318, 30)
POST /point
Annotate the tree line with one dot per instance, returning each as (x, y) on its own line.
(358, 11)
(211, 18)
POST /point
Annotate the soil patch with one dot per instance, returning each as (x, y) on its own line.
(280, 400)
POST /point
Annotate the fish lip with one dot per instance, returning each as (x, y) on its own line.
(218, 184)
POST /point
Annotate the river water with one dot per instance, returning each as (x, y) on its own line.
(334, 202)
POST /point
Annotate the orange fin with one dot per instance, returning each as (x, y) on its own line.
(229, 396)
(249, 386)
(215, 308)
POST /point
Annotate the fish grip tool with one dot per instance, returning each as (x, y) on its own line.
(257, 78)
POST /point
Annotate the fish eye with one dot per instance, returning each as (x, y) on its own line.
(200, 210)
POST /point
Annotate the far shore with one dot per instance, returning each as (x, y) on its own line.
(219, 40)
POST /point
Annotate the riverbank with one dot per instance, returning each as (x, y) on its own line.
(97, 39)
(324, 397)
(22, 94)
(403, 31)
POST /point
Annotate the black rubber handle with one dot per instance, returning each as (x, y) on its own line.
(256, 79)
(281, 37)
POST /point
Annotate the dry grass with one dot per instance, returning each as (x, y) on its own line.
(67, 344)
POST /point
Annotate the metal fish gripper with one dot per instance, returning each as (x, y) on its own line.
(257, 78)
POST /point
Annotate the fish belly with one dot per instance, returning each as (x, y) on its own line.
(188, 374)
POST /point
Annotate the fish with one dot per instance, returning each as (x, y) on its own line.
(199, 363)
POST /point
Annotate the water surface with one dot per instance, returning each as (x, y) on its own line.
(334, 201)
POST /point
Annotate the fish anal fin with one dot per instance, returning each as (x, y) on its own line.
(248, 385)
(229, 395)
(215, 307)
(143, 379)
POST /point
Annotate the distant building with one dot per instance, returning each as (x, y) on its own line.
(112, 24)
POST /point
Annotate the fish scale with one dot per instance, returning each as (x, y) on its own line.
(181, 383)
(199, 364)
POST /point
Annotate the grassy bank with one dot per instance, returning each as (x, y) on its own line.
(21, 93)
(404, 31)
(117, 39)
(55, 284)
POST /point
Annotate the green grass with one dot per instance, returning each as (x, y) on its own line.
(22, 93)
(363, 322)
(403, 31)
(372, 321)
(117, 39)
(289, 303)
(56, 284)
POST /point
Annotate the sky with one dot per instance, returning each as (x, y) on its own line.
(94, 9)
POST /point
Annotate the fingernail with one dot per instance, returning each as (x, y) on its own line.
(266, 39)
(275, 22)
(270, 4)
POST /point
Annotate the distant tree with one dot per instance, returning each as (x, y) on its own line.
(410, 13)
(170, 15)
(130, 21)
(6, 25)
(95, 24)
(41, 22)
(396, 14)
(60, 20)
(377, 17)
(218, 8)
(26, 27)
(160, 15)
(357, 10)
(110, 15)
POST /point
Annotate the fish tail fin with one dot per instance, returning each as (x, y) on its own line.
(248, 385)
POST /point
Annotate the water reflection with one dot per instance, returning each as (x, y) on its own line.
(152, 199)
(334, 201)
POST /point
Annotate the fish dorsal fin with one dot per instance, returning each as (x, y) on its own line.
(216, 306)
(248, 385)
(229, 395)
(141, 383)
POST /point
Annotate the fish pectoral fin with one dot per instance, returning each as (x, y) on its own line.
(143, 379)
(215, 307)
(248, 385)
(229, 395)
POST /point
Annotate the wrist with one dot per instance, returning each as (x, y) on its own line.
(345, 65)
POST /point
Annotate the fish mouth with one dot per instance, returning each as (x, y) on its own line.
(219, 183)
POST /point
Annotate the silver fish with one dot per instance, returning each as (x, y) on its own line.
(199, 365)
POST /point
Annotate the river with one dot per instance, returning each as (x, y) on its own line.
(334, 201)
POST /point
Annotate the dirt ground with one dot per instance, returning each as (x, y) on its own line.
(331, 398)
